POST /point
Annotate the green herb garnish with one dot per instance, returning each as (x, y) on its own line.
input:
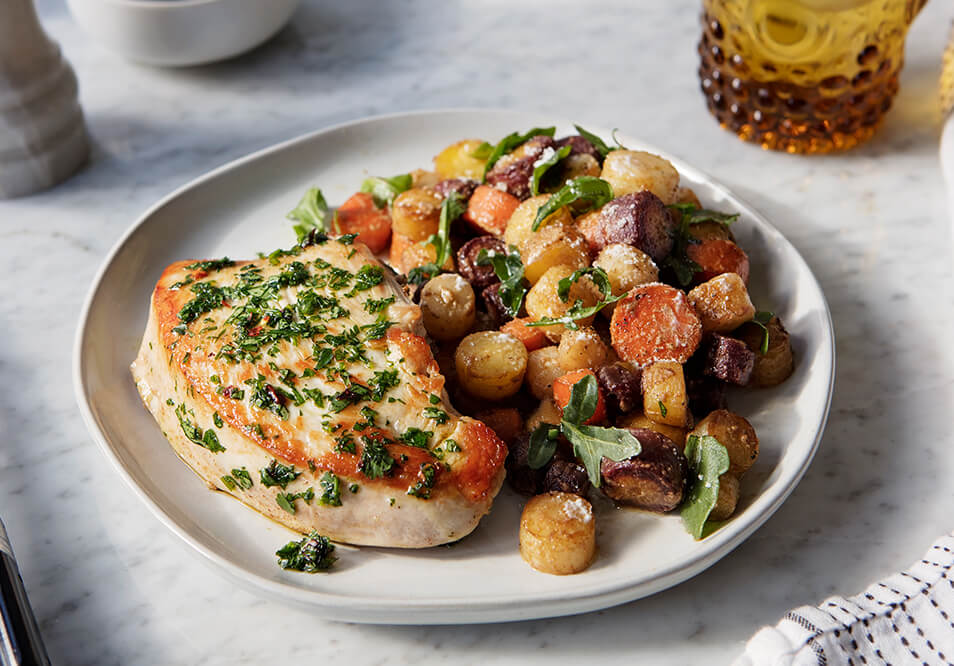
(451, 208)
(311, 554)
(194, 433)
(542, 166)
(383, 190)
(416, 437)
(598, 143)
(277, 474)
(311, 213)
(422, 489)
(439, 415)
(512, 141)
(542, 446)
(708, 460)
(375, 460)
(678, 259)
(509, 268)
(330, 490)
(762, 318)
(210, 265)
(590, 189)
(578, 310)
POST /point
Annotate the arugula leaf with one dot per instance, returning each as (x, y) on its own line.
(697, 214)
(310, 554)
(593, 443)
(540, 167)
(762, 318)
(482, 152)
(598, 143)
(708, 460)
(591, 189)
(578, 310)
(678, 259)
(512, 141)
(310, 213)
(542, 446)
(451, 208)
(383, 190)
(509, 268)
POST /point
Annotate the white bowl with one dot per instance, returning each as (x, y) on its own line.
(181, 32)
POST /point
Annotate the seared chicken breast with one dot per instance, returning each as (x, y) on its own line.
(302, 385)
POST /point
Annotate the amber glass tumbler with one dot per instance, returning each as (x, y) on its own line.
(803, 76)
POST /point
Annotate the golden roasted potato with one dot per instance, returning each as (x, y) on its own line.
(626, 267)
(558, 533)
(778, 362)
(447, 306)
(723, 303)
(458, 161)
(546, 412)
(419, 253)
(635, 170)
(664, 393)
(582, 349)
(728, 497)
(543, 299)
(578, 165)
(520, 226)
(416, 213)
(553, 245)
(422, 178)
(636, 419)
(543, 366)
(734, 433)
(490, 364)
(685, 195)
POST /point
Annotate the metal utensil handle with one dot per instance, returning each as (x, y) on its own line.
(20, 640)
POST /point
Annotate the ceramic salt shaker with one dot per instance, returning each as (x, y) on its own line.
(43, 136)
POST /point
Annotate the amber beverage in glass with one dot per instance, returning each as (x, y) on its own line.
(803, 76)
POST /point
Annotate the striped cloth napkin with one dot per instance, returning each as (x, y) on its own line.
(907, 618)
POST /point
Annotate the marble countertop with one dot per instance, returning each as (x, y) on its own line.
(111, 586)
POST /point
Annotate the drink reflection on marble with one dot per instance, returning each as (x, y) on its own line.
(803, 76)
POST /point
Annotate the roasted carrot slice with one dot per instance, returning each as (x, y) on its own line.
(489, 209)
(716, 257)
(532, 337)
(359, 215)
(399, 244)
(655, 322)
(563, 387)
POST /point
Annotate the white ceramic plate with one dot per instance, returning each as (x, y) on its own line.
(238, 210)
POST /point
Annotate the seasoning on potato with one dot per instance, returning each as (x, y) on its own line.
(558, 533)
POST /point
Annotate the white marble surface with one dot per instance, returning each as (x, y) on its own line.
(110, 586)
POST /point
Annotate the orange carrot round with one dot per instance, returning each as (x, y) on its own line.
(359, 215)
(489, 209)
(717, 256)
(532, 337)
(563, 387)
(655, 322)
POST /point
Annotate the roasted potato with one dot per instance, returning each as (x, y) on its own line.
(582, 349)
(734, 433)
(626, 267)
(553, 245)
(664, 393)
(778, 362)
(639, 219)
(416, 213)
(655, 322)
(543, 299)
(577, 165)
(418, 253)
(558, 533)
(426, 179)
(727, 499)
(447, 306)
(491, 364)
(546, 412)
(685, 195)
(710, 230)
(654, 480)
(543, 366)
(458, 161)
(520, 226)
(629, 171)
(636, 419)
(722, 303)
